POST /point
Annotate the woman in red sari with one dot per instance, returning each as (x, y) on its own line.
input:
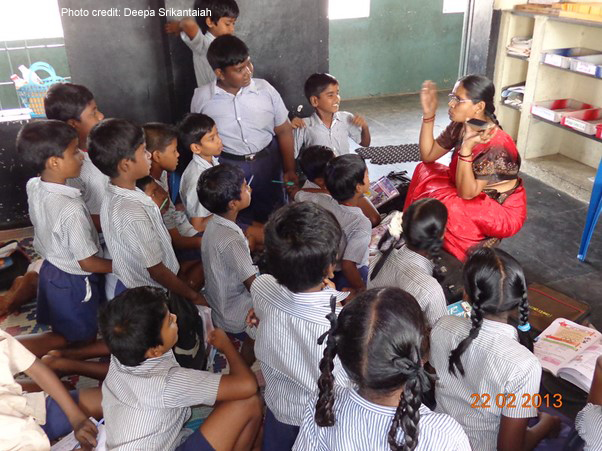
(481, 189)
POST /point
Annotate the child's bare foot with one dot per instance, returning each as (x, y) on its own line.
(23, 289)
(57, 363)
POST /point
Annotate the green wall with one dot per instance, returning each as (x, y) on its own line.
(393, 51)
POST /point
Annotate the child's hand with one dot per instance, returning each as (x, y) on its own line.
(251, 319)
(85, 433)
(297, 122)
(199, 299)
(219, 340)
(327, 283)
(359, 121)
(172, 27)
(428, 98)
(552, 422)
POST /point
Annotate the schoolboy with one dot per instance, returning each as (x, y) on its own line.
(290, 305)
(199, 34)
(253, 124)
(198, 135)
(347, 181)
(229, 269)
(69, 284)
(328, 126)
(147, 396)
(131, 222)
(23, 413)
(75, 105)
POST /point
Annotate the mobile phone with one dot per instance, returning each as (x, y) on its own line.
(478, 124)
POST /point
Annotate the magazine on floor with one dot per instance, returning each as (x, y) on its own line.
(569, 351)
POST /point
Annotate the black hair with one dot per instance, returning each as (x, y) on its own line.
(423, 227)
(39, 140)
(380, 338)
(131, 323)
(495, 283)
(158, 136)
(219, 185)
(112, 140)
(343, 174)
(65, 101)
(301, 242)
(144, 182)
(227, 50)
(317, 83)
(481, 89)
(313, 161)
(218, 8)
(192, 129)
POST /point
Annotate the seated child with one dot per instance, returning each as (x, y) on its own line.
(198, 134)
(589, 420)
(70, 282)
(382, 339)
(328, 126)
(75, 105)
(485, 355)
(291, 304)
(347, 181)
(131, 222)
(415, 267)
(229, 269)
(54, 409)
(147, 396)
(199, 34)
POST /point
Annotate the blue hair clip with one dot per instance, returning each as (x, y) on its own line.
(524, 327)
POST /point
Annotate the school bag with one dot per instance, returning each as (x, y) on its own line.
(190, 349)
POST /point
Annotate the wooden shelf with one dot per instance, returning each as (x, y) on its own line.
(588, 23)
(522, 58)
(568, 129)
(507, 105)
(571, 71)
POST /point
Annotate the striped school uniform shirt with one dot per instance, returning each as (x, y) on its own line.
(174, 218)
(589, 425)
(146, 406)
(361, 425)
(322, 199)
(495, 363)
(286, 345)
(315, 133)
(63, 229)
(92, 183)
(136, 236)
(199, 46)
(227, 263)
(188, 184)
(357, 232)
(413, 273)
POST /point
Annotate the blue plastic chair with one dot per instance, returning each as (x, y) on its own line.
(593, 214)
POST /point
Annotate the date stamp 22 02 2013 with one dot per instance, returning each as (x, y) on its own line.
(511, 401)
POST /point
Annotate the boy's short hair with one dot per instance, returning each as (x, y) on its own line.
(301, 242)
(313, 161)
(112, 140)
(218, 8)
(158, 136)
(343, 174)
(226, 50)
(39, 140)
(65, 101)
(144, 182)
(131, 323)
(192, 129)
(219, 185)
(317, 83)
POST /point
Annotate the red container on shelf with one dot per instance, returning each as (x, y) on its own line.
(599, 131)
(554, 110)
(584, 121)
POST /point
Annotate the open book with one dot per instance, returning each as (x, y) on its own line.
(569, 351)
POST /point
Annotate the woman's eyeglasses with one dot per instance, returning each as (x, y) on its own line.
(455, 99)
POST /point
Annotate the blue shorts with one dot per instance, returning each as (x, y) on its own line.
(61, 302)
(277, 436)
(119, 288)
(57, 423)
(195, 442)
(187, 255)
(340, 281)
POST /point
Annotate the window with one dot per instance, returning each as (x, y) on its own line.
(454, 6)
(348, 9)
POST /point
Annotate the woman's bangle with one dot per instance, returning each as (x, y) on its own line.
(428, 119)
(467, 159)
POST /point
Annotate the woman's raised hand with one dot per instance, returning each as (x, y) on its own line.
(428, 98)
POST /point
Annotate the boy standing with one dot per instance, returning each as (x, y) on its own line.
(133, 228)
(253, 124)
(199, 34)
(328, 126)
(147, 396)
(291, 305)
(69, 286)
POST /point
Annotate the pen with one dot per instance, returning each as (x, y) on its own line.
(284, 183)
(251, 180)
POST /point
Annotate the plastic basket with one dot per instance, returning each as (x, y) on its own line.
(32, 94)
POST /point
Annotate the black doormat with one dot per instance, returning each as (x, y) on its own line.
(403, 153)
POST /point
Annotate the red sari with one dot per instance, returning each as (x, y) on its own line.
(490, 214)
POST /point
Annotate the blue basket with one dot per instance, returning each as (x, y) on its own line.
(32, 94)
